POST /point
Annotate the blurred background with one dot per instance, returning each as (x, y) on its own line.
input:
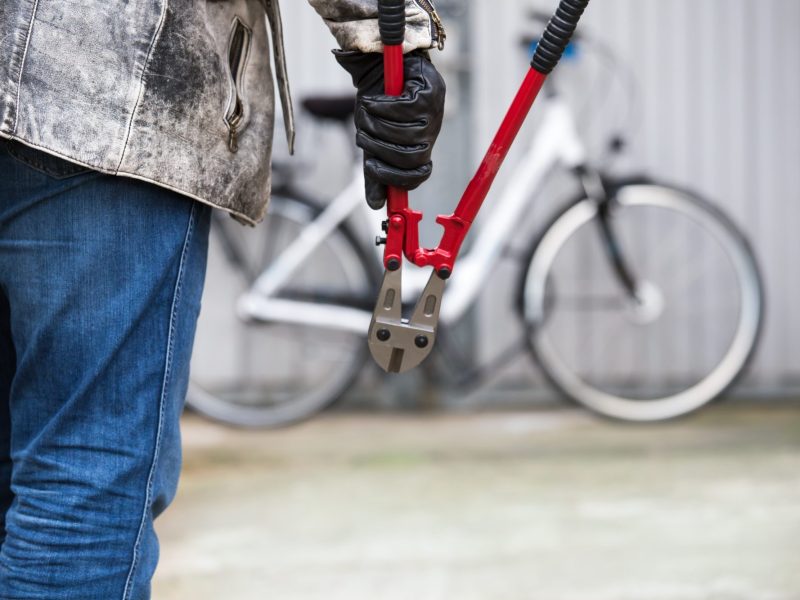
(504, 491)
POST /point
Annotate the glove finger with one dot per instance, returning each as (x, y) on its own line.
(376, 193)
(394, 132)
(408, 179)
(424, 93)
(400, 157)
(405, 108)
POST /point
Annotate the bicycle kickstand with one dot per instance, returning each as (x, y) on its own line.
(399, 344)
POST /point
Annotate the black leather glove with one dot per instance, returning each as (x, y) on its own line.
(396, 134)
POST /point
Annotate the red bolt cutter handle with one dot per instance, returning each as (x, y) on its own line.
(392, 22)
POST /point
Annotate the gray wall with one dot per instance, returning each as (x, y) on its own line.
(720, 100)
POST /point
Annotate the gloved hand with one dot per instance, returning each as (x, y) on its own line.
(396, 133)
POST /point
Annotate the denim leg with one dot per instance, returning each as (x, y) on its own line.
(7, 366)
(103, 278)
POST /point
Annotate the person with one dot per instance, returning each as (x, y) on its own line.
(122, 123)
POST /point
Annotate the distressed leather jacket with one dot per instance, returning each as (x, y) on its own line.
(175, 92)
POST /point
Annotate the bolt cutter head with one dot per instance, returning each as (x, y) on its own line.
(397, 344)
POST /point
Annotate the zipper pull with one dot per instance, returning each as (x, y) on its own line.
(233, 140)
(441, 33)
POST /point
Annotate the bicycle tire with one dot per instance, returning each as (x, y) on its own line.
(256, 395)
(647, 383)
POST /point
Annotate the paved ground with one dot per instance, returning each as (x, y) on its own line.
(550, 505)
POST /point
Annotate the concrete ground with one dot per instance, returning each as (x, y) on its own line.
(547, 505)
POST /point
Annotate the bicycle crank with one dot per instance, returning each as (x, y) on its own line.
(397, 344)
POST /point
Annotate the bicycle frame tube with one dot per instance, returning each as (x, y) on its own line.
(556, 143)
(310, 238)
(312, 314)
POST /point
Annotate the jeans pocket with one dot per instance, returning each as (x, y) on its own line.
(50, 165)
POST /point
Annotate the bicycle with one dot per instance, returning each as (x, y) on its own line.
(602, 299)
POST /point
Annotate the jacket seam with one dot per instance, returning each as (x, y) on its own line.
(162, 400)
(22, 65)
(139, 97)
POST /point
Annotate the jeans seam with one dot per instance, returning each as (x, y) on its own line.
(162, 401)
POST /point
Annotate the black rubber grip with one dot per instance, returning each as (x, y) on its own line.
(392, 21)
(557, 35)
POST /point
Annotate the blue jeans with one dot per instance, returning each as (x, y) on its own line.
(100, 285)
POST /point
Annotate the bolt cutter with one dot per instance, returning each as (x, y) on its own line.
(396, 343)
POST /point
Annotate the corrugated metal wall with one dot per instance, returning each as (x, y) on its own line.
(720, 95)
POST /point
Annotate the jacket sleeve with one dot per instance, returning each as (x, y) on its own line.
(354, 23)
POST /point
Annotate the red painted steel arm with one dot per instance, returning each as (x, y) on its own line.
(403, 234)
(403, 230)
(457, 225)
(400, 215)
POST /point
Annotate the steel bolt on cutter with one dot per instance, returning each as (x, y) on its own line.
(398, 344)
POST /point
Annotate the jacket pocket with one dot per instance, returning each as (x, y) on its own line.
(45, 163)
(236, 114)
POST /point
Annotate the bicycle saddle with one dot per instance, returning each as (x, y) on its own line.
(332, 108)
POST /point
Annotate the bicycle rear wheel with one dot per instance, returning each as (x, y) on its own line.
(676, 344)
(269, 374)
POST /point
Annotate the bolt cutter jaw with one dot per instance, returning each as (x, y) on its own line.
(398, 344)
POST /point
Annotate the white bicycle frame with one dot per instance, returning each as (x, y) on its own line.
(556, 143)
